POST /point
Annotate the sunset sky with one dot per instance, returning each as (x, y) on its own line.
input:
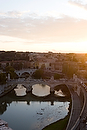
(43, 25)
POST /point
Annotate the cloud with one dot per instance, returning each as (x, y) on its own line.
(78, 3)
(14, 14)
(6, 41)
(44, 29)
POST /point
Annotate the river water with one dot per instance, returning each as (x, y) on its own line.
(29, 112)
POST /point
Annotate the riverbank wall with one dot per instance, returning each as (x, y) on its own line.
(5, 88)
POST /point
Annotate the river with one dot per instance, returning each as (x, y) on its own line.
(31, 112)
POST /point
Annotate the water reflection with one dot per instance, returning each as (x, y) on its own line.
(3, 107)
(20, 90)
(41, 90)
(35, 116)
(30, 112)
(59, 93)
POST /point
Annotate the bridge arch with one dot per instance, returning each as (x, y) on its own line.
(25, 74)
(20, 72)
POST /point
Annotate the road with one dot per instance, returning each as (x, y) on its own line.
(82, 125)
(76, 108)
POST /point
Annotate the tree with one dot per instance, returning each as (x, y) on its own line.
(7, 64)
(10, 70)
(69, 70)
(38, 74)
(0, 66)
(2, 78)
(57, 76)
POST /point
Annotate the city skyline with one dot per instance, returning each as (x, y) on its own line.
(43, 25)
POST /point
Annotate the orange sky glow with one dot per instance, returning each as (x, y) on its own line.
(43, 25)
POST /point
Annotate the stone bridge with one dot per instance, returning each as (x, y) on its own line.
(20, 72)
(29, 82)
